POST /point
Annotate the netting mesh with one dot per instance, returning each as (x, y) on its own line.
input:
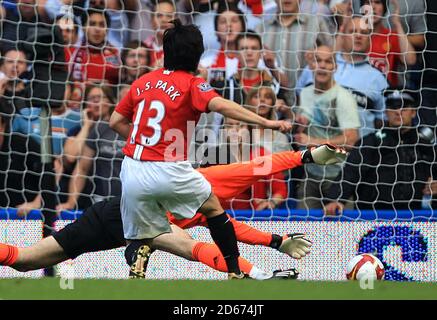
(351, 73)
(323, 65)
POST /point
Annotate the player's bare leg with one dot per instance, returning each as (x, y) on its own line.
(43, 254)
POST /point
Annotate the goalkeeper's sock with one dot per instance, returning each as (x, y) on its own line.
(250, 235)
(209, 254)
(223, 233)
(8, 254)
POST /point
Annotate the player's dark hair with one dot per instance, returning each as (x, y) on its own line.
(249, 34)
(183, 47)
(95, 10)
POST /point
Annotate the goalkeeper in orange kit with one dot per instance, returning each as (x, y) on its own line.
(100, 226)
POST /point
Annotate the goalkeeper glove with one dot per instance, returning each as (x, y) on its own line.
(296, 245)
(324, 154)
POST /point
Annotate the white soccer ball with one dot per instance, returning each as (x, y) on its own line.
(365, 266)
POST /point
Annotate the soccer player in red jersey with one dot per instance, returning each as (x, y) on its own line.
(154, 117)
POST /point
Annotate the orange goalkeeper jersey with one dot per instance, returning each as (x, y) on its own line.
(230, 180)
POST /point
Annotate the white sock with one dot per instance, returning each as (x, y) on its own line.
(259, 274)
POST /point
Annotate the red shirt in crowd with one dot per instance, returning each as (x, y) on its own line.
(384, 53)
(96, 65)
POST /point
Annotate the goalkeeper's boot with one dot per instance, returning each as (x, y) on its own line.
(288, 274)
(139, 261)
(295, 245)
(234, 276)
(324, 155)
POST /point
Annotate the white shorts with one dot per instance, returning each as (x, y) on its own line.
(150, 189)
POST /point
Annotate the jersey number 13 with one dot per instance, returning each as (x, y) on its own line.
(154, 123)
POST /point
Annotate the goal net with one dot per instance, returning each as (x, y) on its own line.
(353, 73)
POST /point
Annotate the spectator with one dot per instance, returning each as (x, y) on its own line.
(141, 22)
(390, 51)
(135, 60)
(290, 36)
(18, 25)
(13, 90)
(97, 149)
(411, 15)
(256, 64)
(164, 11)
(220, 66)
(20, 167)
(118, 33)
(356, 74)
(202, 15)
(390, 169)
(249, 75)
(204, 11)
(267, 193)
(92, 113)
(257, 12)
(329, 114)
(321, 8)
(27, 122)
(117, 10)
(55, 8)
(262, 100)
(229, 23)
(96, 61)
(70, 34)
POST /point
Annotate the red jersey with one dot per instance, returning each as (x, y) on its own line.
(157, 102)
(384, 53)
(96, 65)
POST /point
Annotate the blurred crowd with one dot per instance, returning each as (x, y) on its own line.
(345, 72)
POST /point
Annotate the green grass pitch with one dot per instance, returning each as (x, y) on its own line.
(49, 288)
